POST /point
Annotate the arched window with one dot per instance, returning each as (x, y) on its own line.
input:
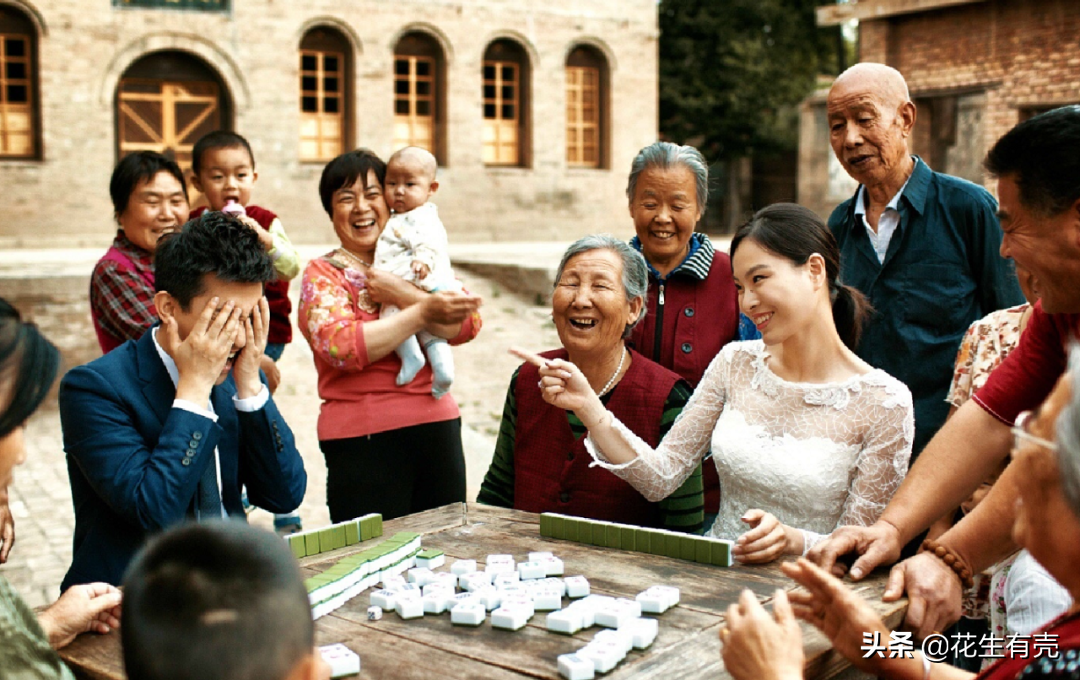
(586, 108)
(506, 110)
(419, 94)
(166, 101)
(325, 94)
(19, 110)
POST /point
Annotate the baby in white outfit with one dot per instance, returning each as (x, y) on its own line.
(414, 246)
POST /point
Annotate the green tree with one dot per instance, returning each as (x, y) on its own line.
(733, 71)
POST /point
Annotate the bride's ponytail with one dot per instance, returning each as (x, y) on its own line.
(850, 309)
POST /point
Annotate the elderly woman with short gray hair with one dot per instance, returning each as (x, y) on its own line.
(692, 309)
(540, 463)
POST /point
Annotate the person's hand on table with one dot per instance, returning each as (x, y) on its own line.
(7, 526)
(876, 545)
(846, 619)
(766, 540)
(757, 646)
(934, 593)
(81, 609)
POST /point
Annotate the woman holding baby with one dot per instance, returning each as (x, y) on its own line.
(389, 449)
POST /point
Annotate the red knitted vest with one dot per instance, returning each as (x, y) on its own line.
(277, 291)
(551, 470)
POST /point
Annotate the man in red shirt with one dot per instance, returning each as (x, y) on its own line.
(1037, 166)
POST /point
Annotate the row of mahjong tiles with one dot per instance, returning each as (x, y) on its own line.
(511, 592)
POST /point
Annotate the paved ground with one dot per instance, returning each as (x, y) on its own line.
(41, 500)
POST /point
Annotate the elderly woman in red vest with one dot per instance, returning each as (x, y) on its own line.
(692, 308)
(540, 463)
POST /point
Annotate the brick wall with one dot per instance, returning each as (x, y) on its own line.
(84, 48)
(998, 57)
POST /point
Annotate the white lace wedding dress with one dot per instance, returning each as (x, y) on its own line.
(817, 456)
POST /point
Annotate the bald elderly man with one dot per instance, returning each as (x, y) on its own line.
(921, 245)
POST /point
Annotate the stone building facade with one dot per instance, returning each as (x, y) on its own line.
(534, 110)
(975, 69)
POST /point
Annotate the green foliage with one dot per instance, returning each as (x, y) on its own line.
(733, 71)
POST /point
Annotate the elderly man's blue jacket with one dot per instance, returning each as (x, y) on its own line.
(135, 461)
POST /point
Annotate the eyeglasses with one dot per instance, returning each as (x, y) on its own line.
(1020, 433)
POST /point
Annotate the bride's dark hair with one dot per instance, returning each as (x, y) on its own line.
(795, 233)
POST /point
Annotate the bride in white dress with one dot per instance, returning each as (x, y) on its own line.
(805, 436)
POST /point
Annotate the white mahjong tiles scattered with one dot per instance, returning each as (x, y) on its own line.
(342, 660)
(576, 667)
(510, 618)
(576, 586)
(470, 613)
(566, 621)
(508, 592)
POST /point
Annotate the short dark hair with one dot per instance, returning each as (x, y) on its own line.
(217, 600)
(28, 366)
(140, 166)
(1041, 155)
(343, 171)
(795, 233)
(212, 243)
(218, 139)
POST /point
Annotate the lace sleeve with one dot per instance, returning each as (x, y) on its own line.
(657, 473)
(883, 461)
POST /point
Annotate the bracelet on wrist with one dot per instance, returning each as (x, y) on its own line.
(951, 560)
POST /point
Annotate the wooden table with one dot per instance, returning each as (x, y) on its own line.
(686, 647)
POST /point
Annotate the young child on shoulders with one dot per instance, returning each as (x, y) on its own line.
(224, 171)
(414, 246)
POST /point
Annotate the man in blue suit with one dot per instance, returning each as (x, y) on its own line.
(154, 434)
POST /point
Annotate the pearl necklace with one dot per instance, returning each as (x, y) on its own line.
(614, 375)
(353, 257)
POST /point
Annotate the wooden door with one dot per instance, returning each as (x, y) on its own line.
(163, 116)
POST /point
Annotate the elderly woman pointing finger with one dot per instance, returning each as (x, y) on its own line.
(540, 463)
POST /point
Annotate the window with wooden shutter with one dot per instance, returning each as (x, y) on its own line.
(414, 102)
(586, 104)
(165, 102)
(322, 116)
(505, 84)
(17, 134)
(326, 93)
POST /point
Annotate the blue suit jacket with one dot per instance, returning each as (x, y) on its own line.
(135, 462)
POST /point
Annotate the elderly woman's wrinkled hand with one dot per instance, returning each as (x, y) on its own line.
(563, 385)
(448, 308)
(80, 609)
(843, 616)
(758, 646)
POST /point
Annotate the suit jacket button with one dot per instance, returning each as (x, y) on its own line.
(193, 444)
(196, 435)
(186, 461)
(190, 453)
